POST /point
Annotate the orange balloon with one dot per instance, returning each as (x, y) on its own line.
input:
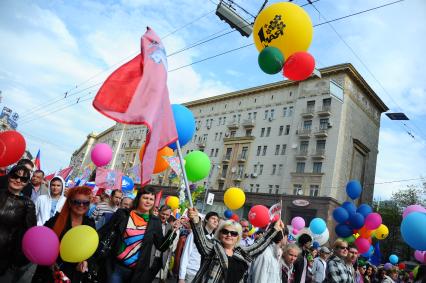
(161, 163)
(364, 233)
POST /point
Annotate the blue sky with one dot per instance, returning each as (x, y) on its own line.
(50, 47)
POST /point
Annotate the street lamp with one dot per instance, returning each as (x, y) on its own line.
(206, 190)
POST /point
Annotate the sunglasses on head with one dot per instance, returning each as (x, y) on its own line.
(227, 232)
(78, 202)
(23, 179)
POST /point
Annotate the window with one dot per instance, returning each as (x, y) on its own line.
(260, 169)
(317, 167)
(324, 124)
(310, 105)
(221, 185)
(259, 148)
(239, 118)
(280, 132)
(307, 124)
(257, 188)
(272, 113)
(224, 120)
(251, 188)
(268, 131)
(290, 111)
(240, 171)
(264, 150)
(205, 137)
(277, 149)
(300, 167)
(244, 152)
(220, 135)
(195, 138)
(248, 132)
(211, 152)
(266, 114)
(304, 146)
(283, 148)
(249, 116)
(215, 136)
(255, 168)
(233, 134)
(326, 103)
(220, 121)
(285, 112)
(254, 115)
(297, 189)
(224, 170)
(274, 169)
(287, 130)
(216, 152)
(280, 169)
(262, 132)
(314, 190)
(234, 118)
(270, 188)
(320, 146)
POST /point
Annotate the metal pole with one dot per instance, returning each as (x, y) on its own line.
(185, 179)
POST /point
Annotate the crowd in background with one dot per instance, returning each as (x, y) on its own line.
(140, 242)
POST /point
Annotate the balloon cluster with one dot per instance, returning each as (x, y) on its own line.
(413, 227)
(41, 245)
(359, 224)
(317, 229)
(283, 33)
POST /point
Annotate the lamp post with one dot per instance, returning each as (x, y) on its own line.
(206, 191)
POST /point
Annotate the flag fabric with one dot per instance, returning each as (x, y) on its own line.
(275, 210)
(108, 179)
(64, 173)
(376, 258)
(174, 164)
(37, 161)
(158, 197)
(136, 93)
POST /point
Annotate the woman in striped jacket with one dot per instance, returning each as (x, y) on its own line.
(221, 259)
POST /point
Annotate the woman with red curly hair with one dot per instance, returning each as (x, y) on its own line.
(72, 214)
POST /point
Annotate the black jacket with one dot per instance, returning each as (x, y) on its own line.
(17, 215)
(44, 274)
(153, 238)
(298, 267)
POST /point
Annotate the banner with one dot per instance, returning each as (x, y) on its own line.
(274, 211)
(108, 179)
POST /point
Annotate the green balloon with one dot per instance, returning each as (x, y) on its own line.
(197, 166)
(271, 60)
(350, 239)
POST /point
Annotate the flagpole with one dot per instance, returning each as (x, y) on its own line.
(185, 179)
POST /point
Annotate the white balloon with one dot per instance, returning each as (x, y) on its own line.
(321, 239)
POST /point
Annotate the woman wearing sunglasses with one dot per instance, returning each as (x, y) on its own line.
(73, 214)
(222, 259)
(17, 215)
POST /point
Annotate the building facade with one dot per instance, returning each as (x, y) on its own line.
(300, 142)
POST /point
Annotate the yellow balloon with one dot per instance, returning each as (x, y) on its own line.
(382, 232)
(283, 25)
(234, 198)
(173, 202)
(251, 232)
(79, 243)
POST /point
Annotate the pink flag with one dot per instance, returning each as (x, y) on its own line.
(136, 93)
(108, 179)
(64, 173)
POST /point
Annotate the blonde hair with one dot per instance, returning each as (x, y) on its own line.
(339, 243)
(230, 223)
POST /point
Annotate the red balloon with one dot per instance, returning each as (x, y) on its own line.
(299, 66)
(259, 216)
(234, 217)
(12, 147)
(401, 266)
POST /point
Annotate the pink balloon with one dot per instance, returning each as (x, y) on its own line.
(101, 154)
(40, 245)
(420, 256)
(295, 231)
(413, 208)
(298, 222)
(362, 244)
(373, 221)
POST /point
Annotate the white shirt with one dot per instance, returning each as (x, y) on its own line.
(246, 242)
(267, 266)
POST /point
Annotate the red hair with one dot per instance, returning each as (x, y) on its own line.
(65, 212)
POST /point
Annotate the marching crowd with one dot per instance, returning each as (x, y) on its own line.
(139, 242)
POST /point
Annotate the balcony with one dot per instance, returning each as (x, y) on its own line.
(324, 111)
(237, 139)
(318, 154)
(242, 157)
(222, 178)
(308, 112)
(322, 132)
(226, 158)
(238, 177)
(249, 123)
(304, 133)
(302, 154)
(233, 125)
(201, 144)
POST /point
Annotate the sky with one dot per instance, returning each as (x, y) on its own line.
(54, 55)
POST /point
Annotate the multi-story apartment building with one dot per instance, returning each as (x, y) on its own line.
(295, 141)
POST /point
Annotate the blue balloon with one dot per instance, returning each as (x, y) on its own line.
(343, 230)
(341, 215)
(353, 189)
(185, 124)
(369, 253)
(315, 245)
(393, 259)
(364, 209)
(228, 213)
(356, 220)
(413, 230)
(127, 184)
(350, 207)
(317, 226)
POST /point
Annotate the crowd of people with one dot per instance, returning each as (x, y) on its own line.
(139, 242)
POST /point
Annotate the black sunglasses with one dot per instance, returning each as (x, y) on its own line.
(344, 248)
(22, 179)
(227, 232)
(77, 202)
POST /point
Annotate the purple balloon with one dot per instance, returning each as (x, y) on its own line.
(420, 256)
(388, 266)
(298, 222)
(40, 245)
(101, 154)
(413, 208)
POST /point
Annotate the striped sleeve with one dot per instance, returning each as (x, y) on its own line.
(204, 245)
(261, 244)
